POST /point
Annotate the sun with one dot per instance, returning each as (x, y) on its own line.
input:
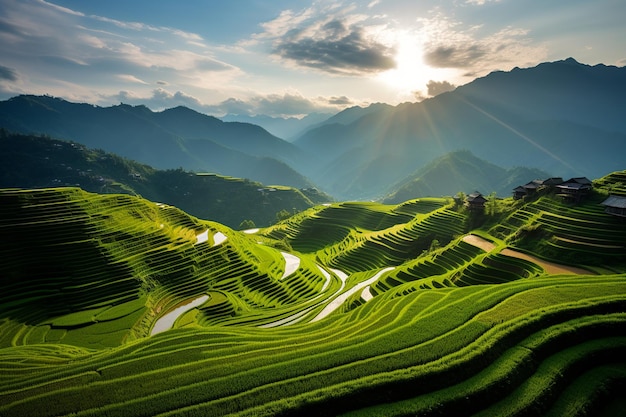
(411, 73)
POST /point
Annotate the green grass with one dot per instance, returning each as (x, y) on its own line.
(451, 330)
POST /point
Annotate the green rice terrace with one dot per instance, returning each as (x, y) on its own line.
(113, 305)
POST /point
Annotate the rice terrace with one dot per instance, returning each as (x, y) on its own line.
(113, 305)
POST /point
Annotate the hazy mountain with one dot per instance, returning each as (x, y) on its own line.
(562, 117)
(461, 171)
(345, 117)
(173, 138)
(28, 161)
(287, 128)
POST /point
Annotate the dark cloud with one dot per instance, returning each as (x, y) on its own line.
(8, 74)
(336, 48)
(341, 101)
(437, 87)
(454, 56)
(231, 106)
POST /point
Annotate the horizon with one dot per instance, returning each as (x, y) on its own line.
(272, 60)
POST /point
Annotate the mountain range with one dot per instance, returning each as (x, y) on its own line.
(173, 138)
(563, 118)
(29, 161)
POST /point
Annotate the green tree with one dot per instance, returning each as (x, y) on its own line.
(282, 215)
(492, 204)
(246, 224)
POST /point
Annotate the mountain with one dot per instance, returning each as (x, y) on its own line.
(346, 116)
(562, 117)
(173, 138)
(461, 171)
(41, 162)
(287, 128)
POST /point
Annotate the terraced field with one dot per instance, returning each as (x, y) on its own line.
(118, 306)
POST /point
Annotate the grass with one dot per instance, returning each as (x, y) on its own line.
(451, 330)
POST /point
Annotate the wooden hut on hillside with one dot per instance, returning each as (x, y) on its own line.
(534, 186)
(526, 189)
(574, 189)
(615, 205)
(551, 182)
(475, 201)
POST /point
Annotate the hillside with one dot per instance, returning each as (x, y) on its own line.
(170, 139)
(461, 171)
(561, 117)
(39, 162)
(420, 308)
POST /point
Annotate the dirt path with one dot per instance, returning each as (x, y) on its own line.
(479, 242)
(550, 267)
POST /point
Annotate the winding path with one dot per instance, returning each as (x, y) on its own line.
(550, 267)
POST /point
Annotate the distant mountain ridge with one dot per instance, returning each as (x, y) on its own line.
(562, 117)
(287, 128)
(178, 137)
(461, 171)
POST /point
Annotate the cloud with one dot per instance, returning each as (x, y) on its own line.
(480, 2)
(131, 79)
(330, 39)
(279, 105)
(291, 104)
(158, 100)
(450, 45)
(454, 56)
(341, 101)
(50, 45)
(437, 87)
(8, 74)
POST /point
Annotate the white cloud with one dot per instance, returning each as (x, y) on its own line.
(480, 2)
(287, 104)
(130, 78)
(54, 44)
(451, 45)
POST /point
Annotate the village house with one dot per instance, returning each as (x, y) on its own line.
(615, 205)
(535, 185)
(475, 201)
(574, 189)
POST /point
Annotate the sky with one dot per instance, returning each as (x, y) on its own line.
(288, 58)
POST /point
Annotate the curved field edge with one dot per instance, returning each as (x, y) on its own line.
(294, 374)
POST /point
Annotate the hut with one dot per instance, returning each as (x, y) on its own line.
(615, 205)
(574, 189)
(475, 201)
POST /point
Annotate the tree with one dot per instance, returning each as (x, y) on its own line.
(282, 215)
(492, 204)
(246, 224)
